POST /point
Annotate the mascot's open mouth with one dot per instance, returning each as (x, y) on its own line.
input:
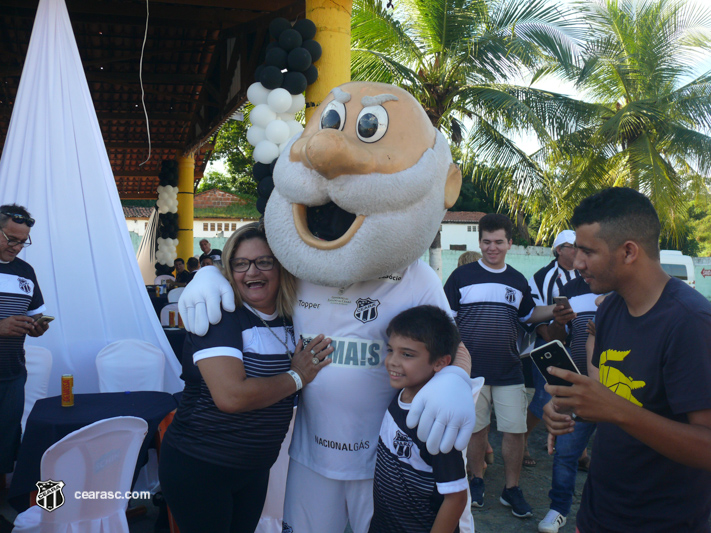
(325, 227)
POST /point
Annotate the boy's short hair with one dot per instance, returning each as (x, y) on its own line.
(430, 325)
(494, 222)
(624, 215)
(193, 263)
(178, 259)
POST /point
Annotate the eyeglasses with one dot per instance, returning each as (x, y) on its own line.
(263, 263)
(17, 218)
(14, 242)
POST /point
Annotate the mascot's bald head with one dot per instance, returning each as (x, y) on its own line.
(362, 192)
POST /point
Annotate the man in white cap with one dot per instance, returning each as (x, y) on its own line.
(545, 285)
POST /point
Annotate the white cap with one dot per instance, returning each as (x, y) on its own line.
(565, 236)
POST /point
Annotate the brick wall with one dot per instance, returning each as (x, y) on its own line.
(216, 198)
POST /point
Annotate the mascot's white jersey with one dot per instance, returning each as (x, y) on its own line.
(340, 412)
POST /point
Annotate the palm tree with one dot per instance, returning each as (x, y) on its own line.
(459, 58)
(647, 115)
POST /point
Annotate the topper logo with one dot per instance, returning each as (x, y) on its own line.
(308, 305)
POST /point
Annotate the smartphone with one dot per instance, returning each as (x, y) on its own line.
(44, 319)
(553, 354)
(561, 300)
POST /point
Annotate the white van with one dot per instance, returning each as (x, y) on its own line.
(679, 266)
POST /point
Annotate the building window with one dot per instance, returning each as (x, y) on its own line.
(204, 226)
(234, 226)
(212, 226)
(458, 247)
(219, 226)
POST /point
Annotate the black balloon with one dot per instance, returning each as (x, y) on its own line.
(306, 28)
(260, 171)
(294, 82)
(258, 72)
(290, 39)
(261, 204)
(299, 59)
(276, 57)
(278, 26)
(265, 187)
(311, 74)
(271, 78)
(314, 49)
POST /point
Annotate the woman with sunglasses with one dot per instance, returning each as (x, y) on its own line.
(240, 382)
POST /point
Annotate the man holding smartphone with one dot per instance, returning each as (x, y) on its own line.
(652, 462)
(20, 304)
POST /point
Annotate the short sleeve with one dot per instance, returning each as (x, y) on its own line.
(535, 293)
(451, 291)
(527, 304)
(222, 339)
(449, 473)
(687, 364)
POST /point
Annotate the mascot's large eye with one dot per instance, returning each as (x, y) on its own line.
(334, 116)
(372, 123)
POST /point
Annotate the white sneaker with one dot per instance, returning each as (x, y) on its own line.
(552, 522)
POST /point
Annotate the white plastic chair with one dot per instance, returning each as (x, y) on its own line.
(38, 362)
(130, 365)
(174, 295)
(165, 314)
(100, 457)
(163, 277)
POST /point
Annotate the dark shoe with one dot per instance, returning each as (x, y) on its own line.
(513, 498)
(476, 486)
(529, 461)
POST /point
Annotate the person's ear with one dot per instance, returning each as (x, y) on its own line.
(631, 252)
(452, 186)
(442, 362)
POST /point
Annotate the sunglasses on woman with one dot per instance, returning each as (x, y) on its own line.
(17, 218)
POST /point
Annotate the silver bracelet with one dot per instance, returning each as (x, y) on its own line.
(297, 379)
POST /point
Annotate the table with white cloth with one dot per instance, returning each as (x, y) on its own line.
(49, 422)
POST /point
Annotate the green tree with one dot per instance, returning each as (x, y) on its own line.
(232, 148)
(644, 116)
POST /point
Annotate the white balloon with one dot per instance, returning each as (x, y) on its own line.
(279, 100)
(160, 240)
(160, 189)
(298, 102)
(294, 127)
(255, 135)
(257, 93)
(162, 209)
(286, 117)
(261, 115)
(170, 262)
(265, 152)
(176, 190)
(281, 147)
(277, 131)
(175, 242)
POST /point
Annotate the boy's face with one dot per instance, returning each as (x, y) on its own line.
(494, 246)
(408, 363)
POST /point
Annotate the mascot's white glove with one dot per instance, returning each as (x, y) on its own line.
(444, 410)
(199, 303)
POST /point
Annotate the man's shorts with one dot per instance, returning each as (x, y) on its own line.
(509, 402)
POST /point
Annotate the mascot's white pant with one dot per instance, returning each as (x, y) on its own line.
(315, 503)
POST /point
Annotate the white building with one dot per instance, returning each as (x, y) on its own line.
(460, 230)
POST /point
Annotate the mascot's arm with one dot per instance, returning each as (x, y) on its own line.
(199, 303)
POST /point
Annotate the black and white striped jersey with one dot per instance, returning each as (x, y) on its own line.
(19, 295)
(248, 440)
(548, 281)
(583, 303)
(410, 483)
(489, 304)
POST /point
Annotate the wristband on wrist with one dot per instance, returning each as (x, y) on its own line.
(297, 379)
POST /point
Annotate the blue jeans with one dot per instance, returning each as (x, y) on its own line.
(568, 449)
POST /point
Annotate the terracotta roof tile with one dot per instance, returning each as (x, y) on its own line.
(462, 216)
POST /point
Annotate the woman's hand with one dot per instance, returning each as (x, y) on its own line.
(304, 360)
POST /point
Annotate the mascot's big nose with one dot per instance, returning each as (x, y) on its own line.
(331, 153)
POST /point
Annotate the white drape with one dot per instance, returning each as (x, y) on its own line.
(146, 254)
(54, 162)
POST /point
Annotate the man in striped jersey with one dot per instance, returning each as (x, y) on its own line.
(20, 302)
(490, 299)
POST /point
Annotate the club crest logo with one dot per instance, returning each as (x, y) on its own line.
(510, 295)
(49, 495)
(403, 445)
(366, 309)
(25, 285)
(286, 528)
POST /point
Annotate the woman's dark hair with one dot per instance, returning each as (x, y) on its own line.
(431, 326)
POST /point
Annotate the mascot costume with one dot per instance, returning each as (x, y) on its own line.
(358, 198)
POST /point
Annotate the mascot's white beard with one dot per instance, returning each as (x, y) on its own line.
(403, 212)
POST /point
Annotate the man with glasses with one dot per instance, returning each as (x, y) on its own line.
(20, 304)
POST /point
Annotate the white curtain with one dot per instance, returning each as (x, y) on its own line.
(54, 162)
(146, 254)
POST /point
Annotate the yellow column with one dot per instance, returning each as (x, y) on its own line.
(333, 32)
(186, 183)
